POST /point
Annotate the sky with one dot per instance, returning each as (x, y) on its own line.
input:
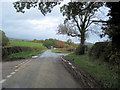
(34, 25)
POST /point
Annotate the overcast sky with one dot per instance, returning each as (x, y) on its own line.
(32, 24)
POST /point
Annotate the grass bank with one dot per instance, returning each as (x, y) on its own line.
(101, 71)
(58, 51)
(23, 55)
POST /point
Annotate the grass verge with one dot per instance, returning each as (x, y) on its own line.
(102, 72)
(25, 54)
(58, 51)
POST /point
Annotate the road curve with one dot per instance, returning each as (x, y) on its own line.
(45, 71)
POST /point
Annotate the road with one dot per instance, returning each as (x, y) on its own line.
(46, 71)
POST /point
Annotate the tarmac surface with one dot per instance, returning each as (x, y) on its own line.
(45, 71)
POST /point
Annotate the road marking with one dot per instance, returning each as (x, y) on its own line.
(2, 81)
(9, 76)
(25, 64)
(16, 70)
(19, 64)
(12, 73)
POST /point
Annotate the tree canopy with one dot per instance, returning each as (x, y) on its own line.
(4, 40)
(78, 18)
(44, 7)
(112, 28)
(49, 42)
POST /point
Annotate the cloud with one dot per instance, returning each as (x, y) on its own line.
(32, 24)
(47, 23)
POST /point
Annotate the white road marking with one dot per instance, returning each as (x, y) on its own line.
(26, 63)
(9, 76)
(16, 70)
(12, 73)
(20, 64)
(2, 81)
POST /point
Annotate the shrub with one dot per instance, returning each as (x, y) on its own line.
(67, 45)
(103, 51)
(70, 49)
(80, 49)
(5, 40)
(98, 49)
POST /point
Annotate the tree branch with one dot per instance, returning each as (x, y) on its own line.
(87, 6)
(73, 35)
(88, 23)
(100, 21)
(77, 24)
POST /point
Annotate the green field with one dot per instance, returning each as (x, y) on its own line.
(26, 54)
(23, 55)
(58, 51)
(24, 43)
(99, 70)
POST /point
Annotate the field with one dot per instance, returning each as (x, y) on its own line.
(24, 43)
(107, 75)
(37, 49)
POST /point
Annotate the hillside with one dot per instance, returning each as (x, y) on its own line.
(88, 43)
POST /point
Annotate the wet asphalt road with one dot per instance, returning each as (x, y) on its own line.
(46, 71)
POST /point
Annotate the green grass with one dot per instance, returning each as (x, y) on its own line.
(25, 54)
(100, 71)
(58, 51)
(24, 43)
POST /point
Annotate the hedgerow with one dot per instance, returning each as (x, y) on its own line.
(7, 50)
(103, 51)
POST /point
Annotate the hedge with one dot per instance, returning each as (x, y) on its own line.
(103, 51)
(7, 50)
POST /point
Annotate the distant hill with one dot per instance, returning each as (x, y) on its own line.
(13, 39)
(88, 43)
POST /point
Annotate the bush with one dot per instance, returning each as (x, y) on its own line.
(103, 51)
(98, 49)
(5, 40)
(60, 44)
(70, 49)
(80, 49)
(14, 49)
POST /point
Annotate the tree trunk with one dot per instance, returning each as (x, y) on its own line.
(83, 42)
